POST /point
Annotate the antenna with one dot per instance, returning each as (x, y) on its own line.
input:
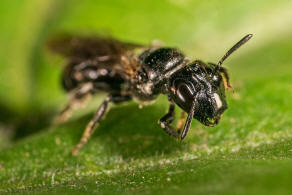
(188, 121)
(235, 47)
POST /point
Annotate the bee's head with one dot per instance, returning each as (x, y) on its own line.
(199, 89)
(204, 86)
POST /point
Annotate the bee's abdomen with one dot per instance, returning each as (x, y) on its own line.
(102, 78)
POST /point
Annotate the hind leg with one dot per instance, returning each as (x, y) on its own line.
(79, 98)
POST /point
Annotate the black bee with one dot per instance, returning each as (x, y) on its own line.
(135, 72)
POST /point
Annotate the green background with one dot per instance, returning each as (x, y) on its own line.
(249, 152)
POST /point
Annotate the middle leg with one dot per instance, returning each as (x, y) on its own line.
(89, 130)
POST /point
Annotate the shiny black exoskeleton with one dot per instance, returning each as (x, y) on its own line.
(129, 71)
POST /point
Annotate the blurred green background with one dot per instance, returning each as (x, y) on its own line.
(249, 152)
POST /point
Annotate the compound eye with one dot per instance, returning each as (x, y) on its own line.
(184, 93)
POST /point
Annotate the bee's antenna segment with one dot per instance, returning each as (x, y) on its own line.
(235, 47)
(188, 121)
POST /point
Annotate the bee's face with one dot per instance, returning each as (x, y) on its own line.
(202, 86)
(210, 105)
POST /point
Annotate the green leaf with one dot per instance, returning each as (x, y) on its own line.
(249, 152)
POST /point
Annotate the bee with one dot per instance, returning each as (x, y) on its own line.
(127, 71)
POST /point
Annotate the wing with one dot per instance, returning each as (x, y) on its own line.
(106, 51)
